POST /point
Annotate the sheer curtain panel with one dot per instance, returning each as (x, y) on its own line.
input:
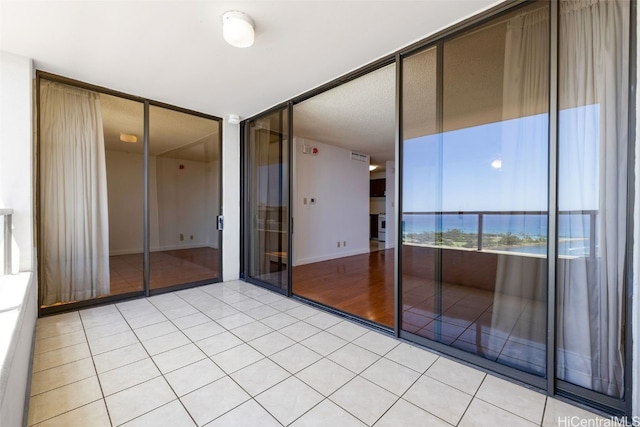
(592, 187)
(73, 195)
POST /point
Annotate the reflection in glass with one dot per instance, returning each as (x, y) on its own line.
(123, 124)
(475, 192)
(269, 199)
(183, 198)
(592, 193)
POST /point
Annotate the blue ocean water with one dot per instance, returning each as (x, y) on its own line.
(573, 229)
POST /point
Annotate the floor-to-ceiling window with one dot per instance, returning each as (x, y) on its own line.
(513, 199)
(267, 199)
(344, 137)
(103, 187)
(474, 202)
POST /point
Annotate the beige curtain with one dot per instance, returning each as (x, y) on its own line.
(593, 137)
(73, 195)
(520, 287)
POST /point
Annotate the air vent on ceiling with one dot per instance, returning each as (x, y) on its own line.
(359, 157)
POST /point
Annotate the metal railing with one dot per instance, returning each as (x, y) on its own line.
(481, 215)
(6, 215)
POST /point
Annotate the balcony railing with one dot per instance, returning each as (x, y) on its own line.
(478, 220)
(6, 214)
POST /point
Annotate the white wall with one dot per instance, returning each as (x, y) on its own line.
(231, 201)
(635, 300)
(180, 201)
(340, 187)
(17, 191)
(16, 154)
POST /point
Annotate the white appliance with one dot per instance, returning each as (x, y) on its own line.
(382, 227)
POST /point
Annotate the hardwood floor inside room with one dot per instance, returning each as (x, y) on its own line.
(361, 285)
(167, 268)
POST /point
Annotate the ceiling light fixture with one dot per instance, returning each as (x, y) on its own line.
(497, 164)
(372, 167)
(237, 29)
(125, 137)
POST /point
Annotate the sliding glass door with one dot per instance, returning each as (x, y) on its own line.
(267, 200)
(95, 209)
(184, 195)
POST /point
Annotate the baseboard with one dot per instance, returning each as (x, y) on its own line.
(328, 257)
(160, 249)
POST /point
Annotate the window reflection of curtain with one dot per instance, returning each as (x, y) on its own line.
(593, 83)
(520, 288)
(73, 195)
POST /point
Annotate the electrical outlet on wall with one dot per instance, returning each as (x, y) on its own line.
(181, 237)
(338, 243)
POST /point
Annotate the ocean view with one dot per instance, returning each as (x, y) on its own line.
(514, 233)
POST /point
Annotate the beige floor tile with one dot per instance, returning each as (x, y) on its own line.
(172, 414)
(63, 399)
(180, 312)
(237, 358)
(247, 414)
(191, 377)
(323, 343)
(59, 376)
(54, 358)
(558, 413)
(116, 358)
(271, 343)
(348, 331)
(376, 342)
(325, 376)
(112, 342)
(260, 376)
(279, 321)
(302, 312)
(209, 402)
(251, 331)
(323, 320)
(156, 330)
(456, 375)
(218, 343)
(405, 414)
(235, 320)
(137, 400)
(299, 331)
(127, 376)
(513, 398)
(147, 320)
(59, 341)
(203, 330)
(354, 358)
(93, 414)
(391, 376)
(191, 320)
(100, 318)
(261, 312)
(178, 357)
(441, 400)
(295, 358)
(285, 304)
(246, 304)
(412, 357)
(483, 414)
(165, 343)
(221, 311)
(58, 324)
(289, 399)
(364, 399)
(107, 330)
(327, 413)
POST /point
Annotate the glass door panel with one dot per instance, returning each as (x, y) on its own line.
(184, 198)
(592, 194)
(475, 192)
(268, 194)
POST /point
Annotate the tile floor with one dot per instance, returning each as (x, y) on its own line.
(233, 354)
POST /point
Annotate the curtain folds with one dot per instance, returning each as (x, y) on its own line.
(73, 195)
(593, 83)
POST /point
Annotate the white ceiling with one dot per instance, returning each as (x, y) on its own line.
(173, 52)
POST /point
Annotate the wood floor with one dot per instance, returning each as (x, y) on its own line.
(167, 268)
(361, 285)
